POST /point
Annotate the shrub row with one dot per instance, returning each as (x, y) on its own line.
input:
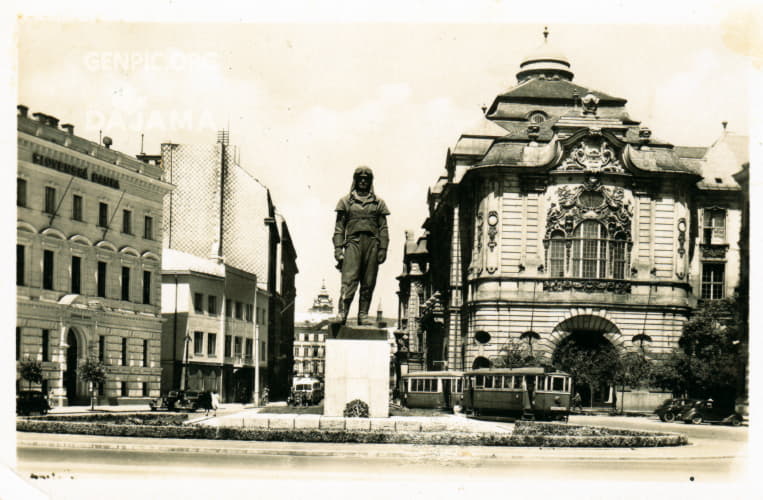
(554, 429)
(122, 418)
(343, 436)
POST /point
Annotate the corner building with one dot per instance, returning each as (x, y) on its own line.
(560, 217)
(88, 263)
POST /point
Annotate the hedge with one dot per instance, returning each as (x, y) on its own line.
(122, 418)
(523, 438)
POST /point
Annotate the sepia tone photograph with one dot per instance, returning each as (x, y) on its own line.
(332, 253)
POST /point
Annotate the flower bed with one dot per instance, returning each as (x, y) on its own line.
(530, 434)
(122, 418)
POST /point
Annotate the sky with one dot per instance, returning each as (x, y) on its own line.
(308, 103)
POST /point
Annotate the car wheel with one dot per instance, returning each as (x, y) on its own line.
(669, 417)
(736, 421)
(696, 419)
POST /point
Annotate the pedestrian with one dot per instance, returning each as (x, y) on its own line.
(577, 402)
(215, 402)
(205, 401)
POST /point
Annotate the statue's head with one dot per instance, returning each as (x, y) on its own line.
(363, 180)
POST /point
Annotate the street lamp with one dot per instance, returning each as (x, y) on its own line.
(184, 369)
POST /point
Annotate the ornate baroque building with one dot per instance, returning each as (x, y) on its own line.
(562, 217)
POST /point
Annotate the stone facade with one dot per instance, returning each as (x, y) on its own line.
(562, 215)
(88, 268)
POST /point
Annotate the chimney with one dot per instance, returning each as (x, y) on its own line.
(40, 117)
(724, 123)
(52, 121)
(23, 110)
(68, 127)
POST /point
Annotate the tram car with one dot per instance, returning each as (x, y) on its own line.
(530, 392)
(434, 389)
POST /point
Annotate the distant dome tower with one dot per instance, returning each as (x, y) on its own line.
(323, 302)
(546, 61)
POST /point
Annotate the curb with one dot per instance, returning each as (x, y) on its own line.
(457, 453)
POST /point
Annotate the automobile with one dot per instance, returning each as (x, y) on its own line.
(28, 402)
(176, 400)
(672, 408)
(706, 411)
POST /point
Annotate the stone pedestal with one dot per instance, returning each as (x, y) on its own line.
(357, 367)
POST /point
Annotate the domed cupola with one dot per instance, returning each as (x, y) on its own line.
(546, 61)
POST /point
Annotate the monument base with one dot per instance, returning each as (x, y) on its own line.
(357, 367)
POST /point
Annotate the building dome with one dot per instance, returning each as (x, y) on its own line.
(545, 60)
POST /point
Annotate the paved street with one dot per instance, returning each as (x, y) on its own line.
(717, 454)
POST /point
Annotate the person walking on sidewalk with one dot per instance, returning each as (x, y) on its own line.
(577, 402)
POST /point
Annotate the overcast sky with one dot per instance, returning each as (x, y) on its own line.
(307, 103)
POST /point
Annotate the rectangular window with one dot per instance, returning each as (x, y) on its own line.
(127, 221)
(102, 348)
(198, 343)
(76, 274)
(618, 259)
(125, 283)
(145, 389)
(557, 384)
(263, 351)
(146, 287)
(212, 344)
(714, 226)
(249, 312)
(228, 342)
(712, 281)
(123, 391)
(77, 213)
(20, 265)
(228, 308)
(237, 346)
(556, 257)
(47, 270)
(20, 192)
(239, 310)
(46, 345)
(249, 348)
(148, 228)
(124, 351)
(212, 305)
(103, 214)
(145, 352)
(50, 199)
(101, 279)
(198, 303)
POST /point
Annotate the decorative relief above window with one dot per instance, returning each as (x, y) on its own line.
(592, 154)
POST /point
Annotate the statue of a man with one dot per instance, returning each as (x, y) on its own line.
(360, 242)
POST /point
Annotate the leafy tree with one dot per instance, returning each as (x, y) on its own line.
(635, 369)
(708, 359)
(592, 361)
(94, 373)
(514, 354)
(31, 371)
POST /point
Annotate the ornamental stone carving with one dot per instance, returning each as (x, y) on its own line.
(713, 251)
(587, 285)
(613, 211)
(592, 154)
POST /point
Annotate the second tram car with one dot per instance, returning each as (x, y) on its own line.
(531, 392)
(441, 389)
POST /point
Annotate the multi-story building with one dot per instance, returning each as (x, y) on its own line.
(219, 211)
(212, 327)
(562, 219)
(310, 335)
(88, 262)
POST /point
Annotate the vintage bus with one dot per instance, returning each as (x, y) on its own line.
(435, 389)
(305, 391)
(530, 392)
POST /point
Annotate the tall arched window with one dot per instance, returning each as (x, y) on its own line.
(589, 250)
(618, 257)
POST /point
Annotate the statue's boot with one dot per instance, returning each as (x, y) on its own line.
(364, 304)
(344, 310)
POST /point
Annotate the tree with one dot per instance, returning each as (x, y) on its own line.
(590, 360)
(514, 354)
(31, 371)
(94, 373)
(634, 370)
(706, 362)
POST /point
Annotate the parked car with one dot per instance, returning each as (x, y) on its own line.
(176, 400)
(706, 411)
(30, 402)
(672, 408)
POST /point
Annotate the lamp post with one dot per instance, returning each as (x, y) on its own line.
(184, 368)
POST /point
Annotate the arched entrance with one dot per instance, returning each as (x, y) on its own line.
(480, 362)
(70, 375)
(584, 348)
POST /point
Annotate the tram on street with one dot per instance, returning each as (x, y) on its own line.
(432, 389)
(529, 392)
